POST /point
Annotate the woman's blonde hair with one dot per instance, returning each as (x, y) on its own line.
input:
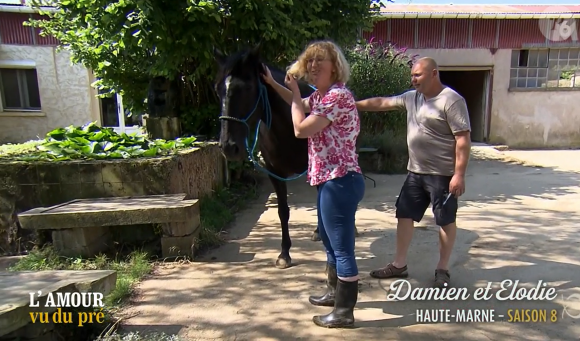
(322, 49)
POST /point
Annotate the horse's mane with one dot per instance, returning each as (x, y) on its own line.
(246, 59)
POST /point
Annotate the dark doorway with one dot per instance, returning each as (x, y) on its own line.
(473, 86)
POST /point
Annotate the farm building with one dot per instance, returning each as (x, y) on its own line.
(40, 89)
(518, 67)
(512, 64)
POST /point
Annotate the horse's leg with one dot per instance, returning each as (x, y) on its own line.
(284, 261)
(315, 237)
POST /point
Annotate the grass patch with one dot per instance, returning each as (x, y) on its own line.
(130, 269)
(218, 210)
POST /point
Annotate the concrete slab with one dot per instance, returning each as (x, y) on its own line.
(15, 287)
(515, 222)
(112, 212)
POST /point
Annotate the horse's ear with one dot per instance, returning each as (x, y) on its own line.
(219, 55)
(255, 51)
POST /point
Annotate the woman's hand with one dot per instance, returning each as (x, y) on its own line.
(291, 83)
(267, 76)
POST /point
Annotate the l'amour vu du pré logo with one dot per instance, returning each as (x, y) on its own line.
(63, 301)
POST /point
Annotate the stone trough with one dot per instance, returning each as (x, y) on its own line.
(15, 289)
(27, 185)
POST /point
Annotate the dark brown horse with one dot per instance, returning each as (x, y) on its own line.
(251, 107)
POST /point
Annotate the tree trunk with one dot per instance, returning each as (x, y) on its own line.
(167, 128)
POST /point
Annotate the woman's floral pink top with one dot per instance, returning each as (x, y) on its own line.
(332, 151)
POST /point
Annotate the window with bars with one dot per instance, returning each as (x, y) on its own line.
(545, 68)
(19, 90)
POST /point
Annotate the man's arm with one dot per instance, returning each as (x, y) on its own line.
(381, 103)
(458, 120)
(462, 151)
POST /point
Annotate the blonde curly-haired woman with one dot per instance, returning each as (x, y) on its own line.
(332, 129)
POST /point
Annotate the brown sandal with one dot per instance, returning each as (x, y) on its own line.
(442, 278)
(390, 271)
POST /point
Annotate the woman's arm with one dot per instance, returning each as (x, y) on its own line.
(284, 92)
(305, 127)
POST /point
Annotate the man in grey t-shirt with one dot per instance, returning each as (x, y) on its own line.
(439, 142)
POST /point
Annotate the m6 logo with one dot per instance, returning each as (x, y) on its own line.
(561, 27)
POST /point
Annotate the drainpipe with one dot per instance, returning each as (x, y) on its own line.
(25, 9)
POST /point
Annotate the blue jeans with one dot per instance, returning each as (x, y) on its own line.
(337, 204)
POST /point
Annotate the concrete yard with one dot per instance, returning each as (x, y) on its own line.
(516, 222)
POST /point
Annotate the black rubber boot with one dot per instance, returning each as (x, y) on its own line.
(342, 316)
(327, 300)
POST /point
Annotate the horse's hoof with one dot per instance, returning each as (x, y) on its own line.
(283, 263)
(315, 237)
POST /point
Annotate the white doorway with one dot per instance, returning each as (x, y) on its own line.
(113, 115)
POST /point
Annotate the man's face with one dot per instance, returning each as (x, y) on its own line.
(421, 78)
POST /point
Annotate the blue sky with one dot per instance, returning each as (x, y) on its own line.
(488, 2)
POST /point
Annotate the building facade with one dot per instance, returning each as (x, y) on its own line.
(40, 89)
(518, 67)
(519, 76)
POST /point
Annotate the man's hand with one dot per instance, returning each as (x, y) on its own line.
(457, 185)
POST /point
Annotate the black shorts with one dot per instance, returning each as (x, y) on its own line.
(420, 190)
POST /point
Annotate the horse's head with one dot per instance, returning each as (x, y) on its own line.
(238, 85)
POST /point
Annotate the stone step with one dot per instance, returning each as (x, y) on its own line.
(17, 285)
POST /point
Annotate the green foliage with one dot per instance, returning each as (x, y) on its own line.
(19, 148)
(381, 69)
(93, 142)
(130, 270)
(392, 145)
(128, 42)
(218, 210)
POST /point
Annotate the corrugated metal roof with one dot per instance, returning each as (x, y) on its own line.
(484, 9)
(11, 2)
(479, 11)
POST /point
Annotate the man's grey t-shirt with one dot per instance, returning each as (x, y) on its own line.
(431, 125)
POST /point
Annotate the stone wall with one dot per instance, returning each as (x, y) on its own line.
(25, 185)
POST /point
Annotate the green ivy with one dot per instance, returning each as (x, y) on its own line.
(93, 142)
